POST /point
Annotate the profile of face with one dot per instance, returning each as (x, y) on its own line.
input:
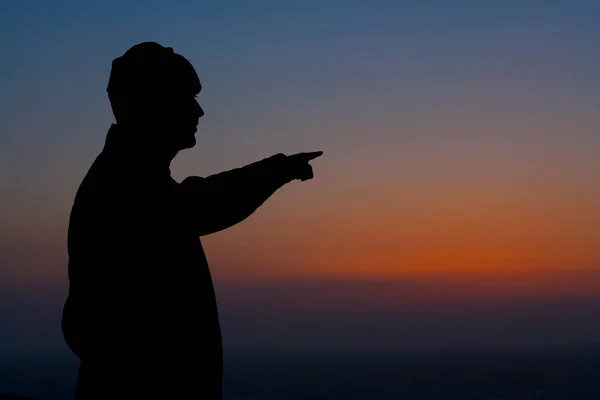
(173, 108)
(153, 90)
(176, 115)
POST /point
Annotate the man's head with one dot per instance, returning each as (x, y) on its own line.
(152, 90)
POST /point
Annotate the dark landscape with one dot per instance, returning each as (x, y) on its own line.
(443, 375)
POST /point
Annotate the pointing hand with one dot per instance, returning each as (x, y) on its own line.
(300, 168)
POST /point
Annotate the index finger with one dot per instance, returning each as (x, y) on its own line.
(311, 155)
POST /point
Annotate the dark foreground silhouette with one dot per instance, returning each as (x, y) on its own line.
(141, 314)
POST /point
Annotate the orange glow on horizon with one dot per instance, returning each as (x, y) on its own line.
(502, 238)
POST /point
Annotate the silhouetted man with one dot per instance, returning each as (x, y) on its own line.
(141, 313)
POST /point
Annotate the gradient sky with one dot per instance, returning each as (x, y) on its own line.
(461, 163)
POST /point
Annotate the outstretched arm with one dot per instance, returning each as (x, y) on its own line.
(222, 200)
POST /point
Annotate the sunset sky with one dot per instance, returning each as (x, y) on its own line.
(458, 193)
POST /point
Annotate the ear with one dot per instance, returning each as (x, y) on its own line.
(127, 107)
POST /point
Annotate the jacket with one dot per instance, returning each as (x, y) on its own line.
(140, 287)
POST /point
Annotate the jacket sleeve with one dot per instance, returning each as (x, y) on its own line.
(217, 202)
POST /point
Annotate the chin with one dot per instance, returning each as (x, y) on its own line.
(188, 143)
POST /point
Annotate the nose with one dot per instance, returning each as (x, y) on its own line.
(199, 110)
